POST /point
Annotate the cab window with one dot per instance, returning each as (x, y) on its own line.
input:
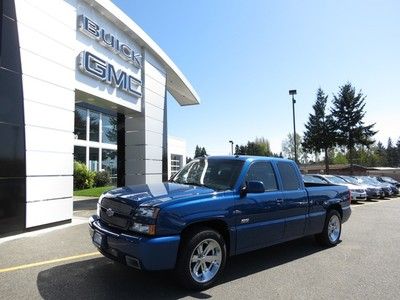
(289, 176)
(263, 171)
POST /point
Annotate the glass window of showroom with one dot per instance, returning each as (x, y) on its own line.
(96, 140)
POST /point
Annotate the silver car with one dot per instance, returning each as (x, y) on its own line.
(357, 192)
(373, 191)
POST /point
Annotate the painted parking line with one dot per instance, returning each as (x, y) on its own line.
(48, 262)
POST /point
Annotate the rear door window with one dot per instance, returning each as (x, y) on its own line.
(289, 176)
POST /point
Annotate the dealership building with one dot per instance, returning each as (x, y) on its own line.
(79, 80)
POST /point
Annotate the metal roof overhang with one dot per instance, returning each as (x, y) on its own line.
(177, 84)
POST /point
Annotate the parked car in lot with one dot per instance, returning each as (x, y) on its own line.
(369, 180)
(390, 180)
(371, 190)
(214, 208)
(357, 192)
(310, 179)
(392, 183)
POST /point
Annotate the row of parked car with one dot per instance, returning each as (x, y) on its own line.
(361, 187)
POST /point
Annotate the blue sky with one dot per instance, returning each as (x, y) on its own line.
(242, 57)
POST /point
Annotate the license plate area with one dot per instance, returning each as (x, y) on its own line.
(98, 238)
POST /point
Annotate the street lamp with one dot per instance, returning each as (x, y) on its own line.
(292, 93)
(231, 147)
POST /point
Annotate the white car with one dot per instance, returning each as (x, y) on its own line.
(357, 192)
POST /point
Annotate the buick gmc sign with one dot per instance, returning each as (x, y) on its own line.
(100, 69)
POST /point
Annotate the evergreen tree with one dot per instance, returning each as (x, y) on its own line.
(382, 155)
(197, 152)
(237, 150)
(348, 113)
(200, 152)
(392, 154)
(203, 152)
(320, 135)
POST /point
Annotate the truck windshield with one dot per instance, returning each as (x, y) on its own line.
(218, 174)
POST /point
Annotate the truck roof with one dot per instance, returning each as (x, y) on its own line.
(246, 157)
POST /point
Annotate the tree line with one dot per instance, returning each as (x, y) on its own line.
(340, 126)
(338, 131)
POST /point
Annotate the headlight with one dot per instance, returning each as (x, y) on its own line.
(147, 212)
(144, 220)
(143, 228)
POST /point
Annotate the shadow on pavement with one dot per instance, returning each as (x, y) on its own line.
(102, 278)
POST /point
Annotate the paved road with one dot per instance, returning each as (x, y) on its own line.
(365, 265)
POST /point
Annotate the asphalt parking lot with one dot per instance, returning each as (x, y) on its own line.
(62, 264)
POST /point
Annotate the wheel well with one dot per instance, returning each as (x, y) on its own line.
(220, 226)
(338, 208)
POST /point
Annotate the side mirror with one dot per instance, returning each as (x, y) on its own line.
(252, 187)
(255, 187)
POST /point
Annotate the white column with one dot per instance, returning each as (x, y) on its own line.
(47, 37)
(144, 133)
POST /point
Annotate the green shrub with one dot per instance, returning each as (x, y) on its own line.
(83, 178)
(102, 178)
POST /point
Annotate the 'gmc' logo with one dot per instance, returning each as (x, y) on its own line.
(101, 70)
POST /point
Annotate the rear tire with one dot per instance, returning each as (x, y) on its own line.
(330, 235)
(201, 259)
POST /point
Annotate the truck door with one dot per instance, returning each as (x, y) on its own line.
(259, 219)
(295, 200)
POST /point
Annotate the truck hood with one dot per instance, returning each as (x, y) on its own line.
(157, 193)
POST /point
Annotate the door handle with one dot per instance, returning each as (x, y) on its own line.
(279, 201)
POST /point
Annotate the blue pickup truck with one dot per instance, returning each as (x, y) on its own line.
(214, 208)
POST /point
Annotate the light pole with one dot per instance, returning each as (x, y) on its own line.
(292, 93)
(231, 147)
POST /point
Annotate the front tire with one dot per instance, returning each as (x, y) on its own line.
(201, 259)
(330, 236)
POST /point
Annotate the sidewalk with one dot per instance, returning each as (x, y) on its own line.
(84, 207)
(83, 198)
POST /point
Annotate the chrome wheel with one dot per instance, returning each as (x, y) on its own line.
(334, 228)
(205, 260)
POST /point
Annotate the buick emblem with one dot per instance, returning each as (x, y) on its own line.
(109, 212)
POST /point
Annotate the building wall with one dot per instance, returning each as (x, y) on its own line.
(177, 147)
(12, 133)
(50, 47)
(43, 77)
(47, 40)
(84, 42)
(144, 134)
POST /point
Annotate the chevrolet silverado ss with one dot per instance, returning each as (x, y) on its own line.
(214, 208)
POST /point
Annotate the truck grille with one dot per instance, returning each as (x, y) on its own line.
(116, 214)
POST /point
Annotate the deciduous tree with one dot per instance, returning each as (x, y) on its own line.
(259, 147)
(288, 148)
